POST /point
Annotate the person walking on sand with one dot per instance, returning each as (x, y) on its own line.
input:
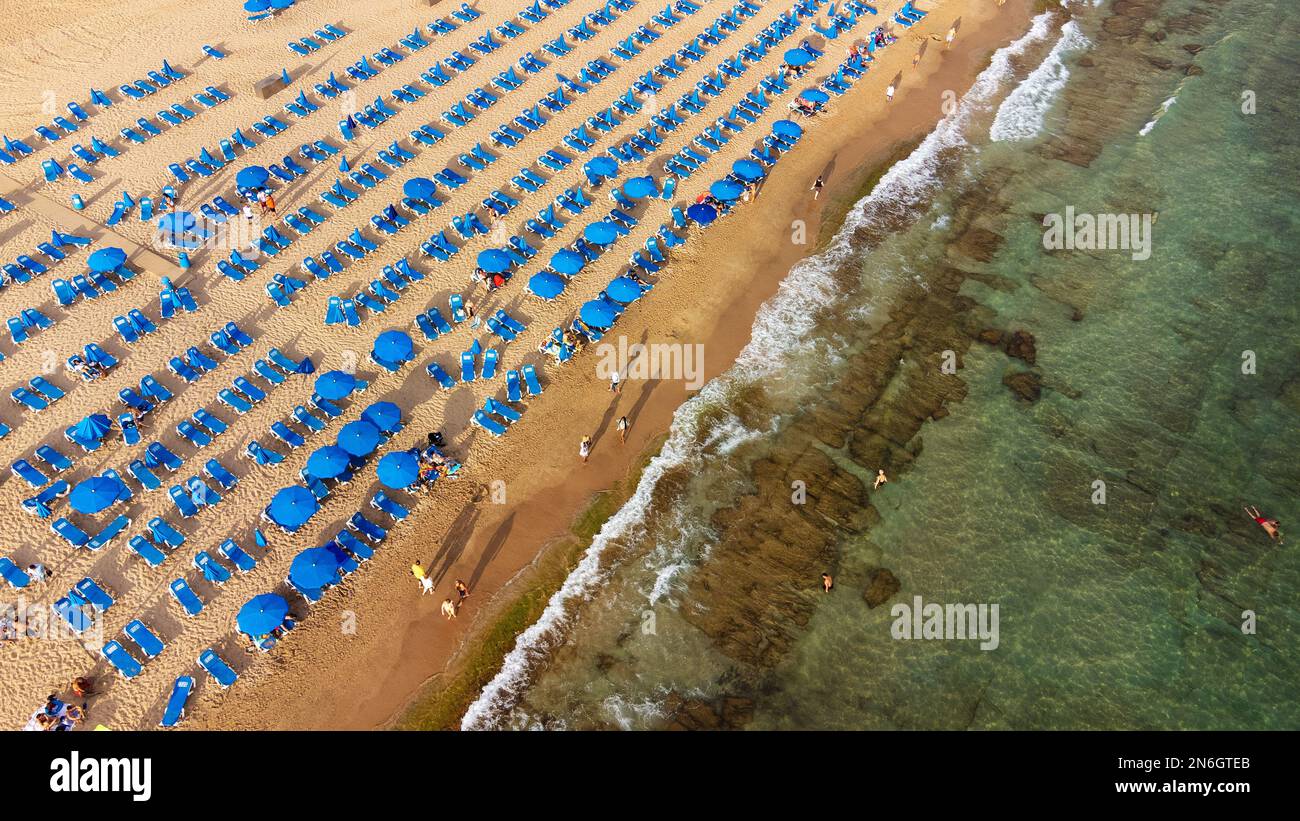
(269, 203)
(817, 187)
(449, 609)
(889, 93)
(622, 430)
(827, 582)
(584, 449)
(462, 589)
(425, 582)
(916, 58)
(881, 478)
(613, 381)
(952, 34)
(1270, 525)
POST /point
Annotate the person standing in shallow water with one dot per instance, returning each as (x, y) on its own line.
(881, 478)
(817, 187)
(827, 582)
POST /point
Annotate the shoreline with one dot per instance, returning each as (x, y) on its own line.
(416, 654)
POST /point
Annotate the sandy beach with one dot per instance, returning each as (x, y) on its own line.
(360, 656)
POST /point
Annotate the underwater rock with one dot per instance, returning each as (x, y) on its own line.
(979, 244)
(1161, 63)
(882, 584)
(1020, 345)
(990, 336)
(1193, 48)
(1194, 71)
(1026, 385)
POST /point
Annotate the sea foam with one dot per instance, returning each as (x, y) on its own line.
(1021, 115)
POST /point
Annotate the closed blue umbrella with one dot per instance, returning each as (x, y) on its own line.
(602, 166)
(638, 187)
(254, 176)
(393, 346)
(546, 285)
(106, 259)
(798, 57)
(726, 189)
(335, 384)
(815, 95)
(344, 165)
(701, 213)
(359, 438)
(262, 614)
(384, 415)
(494, 261)
(598, 313)
(328, 462)
(567, 261)
(419, 188)
(398, 470)
(292, 506)
(787, 128)
(600, 233)
(95, 494)
(624, 289)
(314, 568)
(747, 170)
(93, 426)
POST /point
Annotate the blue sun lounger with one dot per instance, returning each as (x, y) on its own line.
(139, 633)
(175, 709)
(530, 379)
(15, 576)
(121, 660)
(488, 424)
(146, 550)
(211, 569)
(69, 533)
(163, 533)
(74, 614)
(189, 601)
(384, 504)
(436, 372)
(367, 528)
(237, 556)
(110, 532)
(217, 668)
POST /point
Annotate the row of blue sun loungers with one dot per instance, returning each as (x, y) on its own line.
(305, 46)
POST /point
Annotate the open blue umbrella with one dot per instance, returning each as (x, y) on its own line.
(494, 260)
(255, 6)
(798, 57)
(393, 346)
(281, 4)
(787, 128)
(359, 438)
(726, 189)
(292, 506)
(262, 614)
(600, 233)
(638, 187)
(254, 176)
(598, 313)
(335, 384)
(601, 166)
(546, 285)
(623, 289)
(815, 95)
(384, 415)
(314, 568)
(328, 462)
(419, 188)
(398, 470)
(567, 261)
(106, 259)
(747, 170)
(701, 213)
(95, 494)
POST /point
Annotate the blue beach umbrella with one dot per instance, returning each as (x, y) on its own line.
(600, 233)
(292, 506)
(787, 128)
(314, 568)
(281, 4)
(262, 614)
(419, 188)
(567, 261)
(335, 384)
(284, 76)
(638, 187)
(747, 170)
(393, 346)
(398, 470)
(726, 189)
(106, 259)
(93, 427)
(255, 6)
(359, 438)
(815, 95)
(546, 285)
(598, 313)
(254, 176)
(95, 494)
(798, 57)
(344, 165)
(623, 289)
(601, 166)
(701, 213)
(328, 462)
(384, 415)
(494, 261)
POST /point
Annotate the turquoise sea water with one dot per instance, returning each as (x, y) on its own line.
(1126, 614)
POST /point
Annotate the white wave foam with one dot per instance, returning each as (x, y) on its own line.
(1021, 114)
(782, 328)
(1146, 129)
